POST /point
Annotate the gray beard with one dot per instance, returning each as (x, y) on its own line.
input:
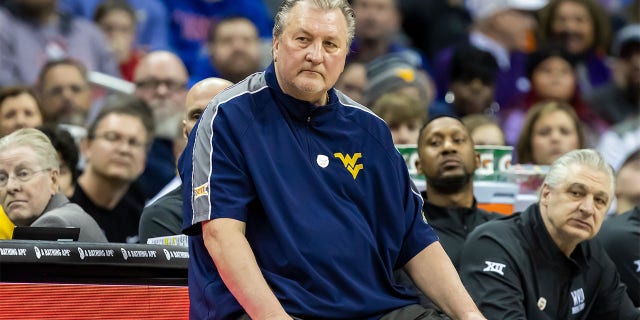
(167, 118)
(75, 118)
(169, 127)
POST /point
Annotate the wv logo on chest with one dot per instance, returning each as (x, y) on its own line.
(351, 162)
(578, 300)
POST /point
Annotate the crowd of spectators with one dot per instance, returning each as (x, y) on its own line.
(544, 76)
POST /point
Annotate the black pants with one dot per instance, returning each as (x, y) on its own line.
(414, 312)
(410, 312)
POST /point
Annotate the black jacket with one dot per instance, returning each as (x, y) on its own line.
(163, 217)
(514, 270)
(620, 236)
(453, 225)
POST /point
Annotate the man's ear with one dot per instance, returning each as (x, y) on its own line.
(477, 160)
(418, 166)
(185, 134)
(274, 48)
(545, 190)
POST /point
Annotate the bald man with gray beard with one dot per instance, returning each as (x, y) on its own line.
(161, 81)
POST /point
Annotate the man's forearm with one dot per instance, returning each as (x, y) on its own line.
(434, 274)
(236, 263)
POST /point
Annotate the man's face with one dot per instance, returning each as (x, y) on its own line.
(118, 149)
(235, 53)
(376, 19)
(194, 111)
(574, 210)
(66, 96)
(310, 53)
(572, 24)
(25, 186)
(18, 112)
(161, 81)
(446, 152)
(197, 100)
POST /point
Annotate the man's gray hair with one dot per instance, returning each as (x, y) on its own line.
(35, 140)
(585, 157)
(282, 16)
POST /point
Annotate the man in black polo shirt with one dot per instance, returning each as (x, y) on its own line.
(448, 160)
(542, 263)
(620, 236)
(115, 152)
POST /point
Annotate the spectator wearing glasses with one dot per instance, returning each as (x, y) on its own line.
(115, 154)
(161, 81)
(65, 94)
(29, 186)
(163, 214)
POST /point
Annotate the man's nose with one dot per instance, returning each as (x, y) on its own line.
(448, 145)
(587, 206)
(162, 89)
(314, 53)
(67, 93)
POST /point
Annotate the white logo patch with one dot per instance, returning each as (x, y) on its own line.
(542, 303)
(494, 267)
(578, 300)
(322, 160)
(637, 263)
